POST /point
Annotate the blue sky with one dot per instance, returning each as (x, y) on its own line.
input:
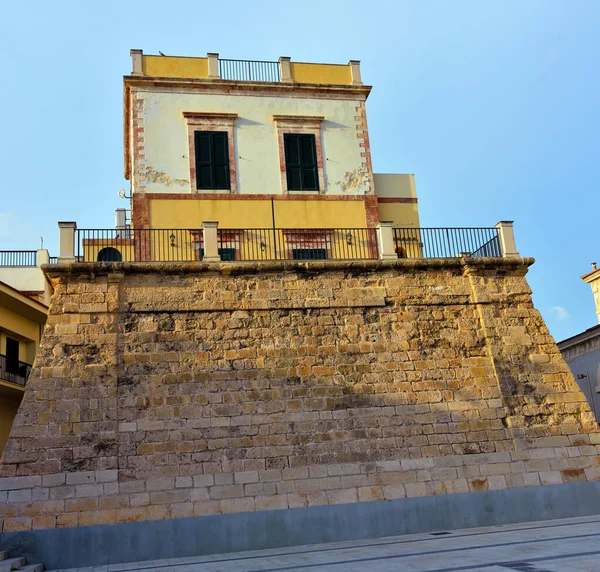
(493, 104)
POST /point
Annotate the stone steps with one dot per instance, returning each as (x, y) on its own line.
(20, 564)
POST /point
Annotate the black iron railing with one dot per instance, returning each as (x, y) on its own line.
(53, 260)
(14, 370)
(172, 245)
(446, 242)
(18, 257)
(248, 70)
(298, 244)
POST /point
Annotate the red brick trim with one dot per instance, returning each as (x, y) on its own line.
(363, 138)
(371, 210)
(397, 200)
(253, 197)
(138, 143)
(207, 121)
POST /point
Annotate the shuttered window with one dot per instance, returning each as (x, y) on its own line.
(212, 159)
(301, 162)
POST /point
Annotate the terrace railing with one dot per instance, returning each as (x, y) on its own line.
(248, 244)
(14, 370)
(248, 70)
(173, 245)
(18, 257)
(447, 242)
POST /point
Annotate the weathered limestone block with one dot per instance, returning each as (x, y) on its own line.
(169, 391)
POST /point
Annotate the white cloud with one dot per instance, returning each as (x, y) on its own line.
(560, 313)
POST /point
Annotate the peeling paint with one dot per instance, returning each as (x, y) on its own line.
(353, 180)
(153, 176)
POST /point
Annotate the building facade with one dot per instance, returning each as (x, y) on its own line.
(582, 352)
(24, 295)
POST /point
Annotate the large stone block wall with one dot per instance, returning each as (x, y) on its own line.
(167, 391)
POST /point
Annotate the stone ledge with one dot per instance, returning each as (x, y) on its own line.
(516, 265)
(86, 546)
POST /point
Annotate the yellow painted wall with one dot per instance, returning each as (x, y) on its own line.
(165, 213)
(168, 66)
(395, 185)
(256, 156)
(9, 404)
(321, 73)
(125, 247)
(20, 328)
(401, 214)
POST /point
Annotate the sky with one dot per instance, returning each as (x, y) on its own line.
(492, 104)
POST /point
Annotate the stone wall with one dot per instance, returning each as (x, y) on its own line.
(168, 391)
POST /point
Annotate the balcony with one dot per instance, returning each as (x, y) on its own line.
(14, 371)
(212, 67)
(213, 244)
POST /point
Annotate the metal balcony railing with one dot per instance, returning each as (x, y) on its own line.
(178, 245)
(446, 242)
(13, 370)
(248, 244)
(18, 257)
(248, 70)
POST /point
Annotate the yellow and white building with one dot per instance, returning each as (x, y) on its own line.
(252, 145)
(24, 295)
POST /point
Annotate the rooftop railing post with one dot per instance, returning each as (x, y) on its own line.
(355, 72)
(66, 252)
(385, 238)
(136, 62)
(285, 70)
(506, 237)
(213, 66)
(211, 243)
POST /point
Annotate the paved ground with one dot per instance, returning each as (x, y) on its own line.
(551, 546)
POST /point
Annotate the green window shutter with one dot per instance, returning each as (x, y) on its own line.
(301, 162)
(212, 160)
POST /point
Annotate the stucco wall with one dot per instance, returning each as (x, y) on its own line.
(168, 391)
(167, 167)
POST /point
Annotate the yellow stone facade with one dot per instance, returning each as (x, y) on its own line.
(182, 390)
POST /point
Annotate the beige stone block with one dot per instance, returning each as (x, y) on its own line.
(393, 492)
(234, 505)
(370, 494)
(98, 517)
(551, 478)
(246, 477)
(16, 524)
(134, 514)
(182, 510)
(80, 478)
(13, 483)
(271, 502)
(342, 497)
(160, 484)
(55, 480)
(531, 479)
(207, 508)
(19, 496)
(139, 499)
(203, 480)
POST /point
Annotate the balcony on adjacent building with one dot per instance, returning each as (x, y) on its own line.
(14, 371)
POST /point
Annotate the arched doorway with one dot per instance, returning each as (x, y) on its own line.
(109, 254)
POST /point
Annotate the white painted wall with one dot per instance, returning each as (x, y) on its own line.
(257, 154)
(28, 279)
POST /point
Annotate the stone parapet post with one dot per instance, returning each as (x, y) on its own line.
(285, 70)
(211, 243)
(213, 66)
(136, 62)
(385, 239)
(66, 241)
(42, 257)
(506, 237)
(355, 71)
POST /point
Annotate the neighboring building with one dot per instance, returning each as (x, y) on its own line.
(24, 298)
(582, 352)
